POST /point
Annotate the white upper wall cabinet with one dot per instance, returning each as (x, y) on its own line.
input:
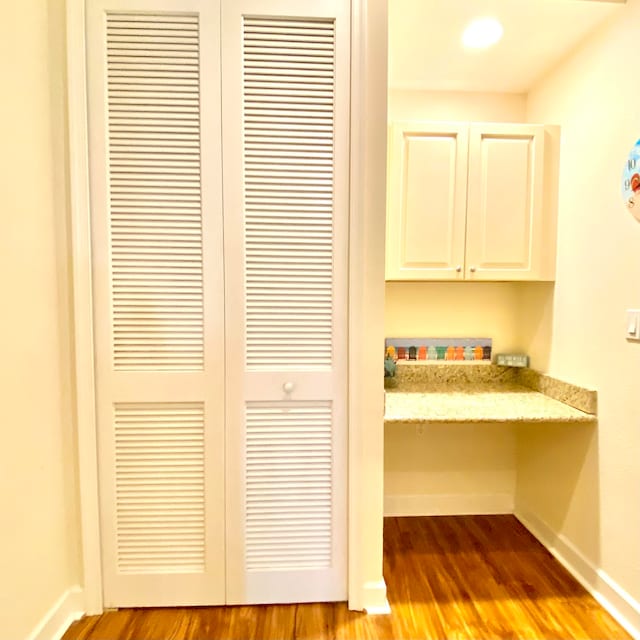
(505, 202)
(467, 202)
(427, 201)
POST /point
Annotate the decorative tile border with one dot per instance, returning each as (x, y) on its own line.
(421, 349)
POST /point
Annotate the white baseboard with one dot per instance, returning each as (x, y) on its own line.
(448, 504)
(597, 582)
(68, 608)
(374, 597)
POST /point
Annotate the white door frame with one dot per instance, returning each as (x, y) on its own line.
(366, 299)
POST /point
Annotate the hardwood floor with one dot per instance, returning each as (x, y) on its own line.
(448, 578)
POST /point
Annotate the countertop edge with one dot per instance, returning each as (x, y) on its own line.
(579, 404)
(586, 419)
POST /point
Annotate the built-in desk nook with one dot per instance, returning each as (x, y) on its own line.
(461, 438)
(443, 393)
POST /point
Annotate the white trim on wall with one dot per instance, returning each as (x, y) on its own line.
(68, 608)
(366, 588)
(375, 597)
(448, 504)
(354, 560)
(83, 307)
(366, 299)
(597, 582)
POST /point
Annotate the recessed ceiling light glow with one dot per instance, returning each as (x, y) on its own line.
(482, 33)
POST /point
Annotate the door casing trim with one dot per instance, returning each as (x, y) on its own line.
(366, 299)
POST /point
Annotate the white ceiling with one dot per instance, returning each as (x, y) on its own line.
(425, 50)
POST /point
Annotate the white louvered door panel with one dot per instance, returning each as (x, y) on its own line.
(285, 149)
(155, 154)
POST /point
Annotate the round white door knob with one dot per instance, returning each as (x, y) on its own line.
(288, 387)
(459, 268)
(473, 269)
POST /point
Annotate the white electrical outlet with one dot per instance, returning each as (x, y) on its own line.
(633, 324)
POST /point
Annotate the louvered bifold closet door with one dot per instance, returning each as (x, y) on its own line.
(285, 71)
(155, 164)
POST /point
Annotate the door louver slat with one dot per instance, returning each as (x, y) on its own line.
(159, 463)
(288, 486)
(155, 191)
(288, 92)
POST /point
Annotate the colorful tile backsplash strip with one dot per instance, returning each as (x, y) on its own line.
(438, 348)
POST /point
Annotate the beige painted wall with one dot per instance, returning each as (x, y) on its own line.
(450, 465)
(585, 484)
(454, 309)
(449, 469)
(39, 538)
(456, 105)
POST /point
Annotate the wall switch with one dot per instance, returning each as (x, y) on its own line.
(633, 324)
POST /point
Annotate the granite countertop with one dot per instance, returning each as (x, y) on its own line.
(483, 393)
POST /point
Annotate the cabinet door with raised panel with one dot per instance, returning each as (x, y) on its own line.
(427, 200)
(505, 210)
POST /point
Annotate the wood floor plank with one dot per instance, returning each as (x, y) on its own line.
(448, 578)
(315, 622)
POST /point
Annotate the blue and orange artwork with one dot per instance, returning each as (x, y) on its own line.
(631, 182)
(426, 349)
